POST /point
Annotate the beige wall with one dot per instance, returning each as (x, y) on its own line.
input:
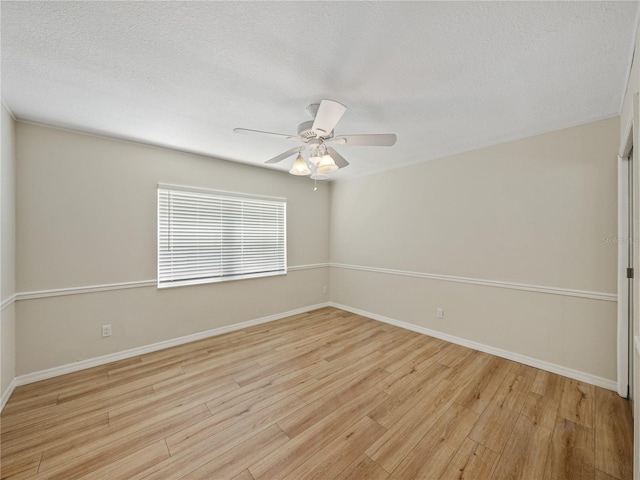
(7, 252)
(535, 211)
(86, 209)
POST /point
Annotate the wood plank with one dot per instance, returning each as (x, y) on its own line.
(525, 453)
(472, 461)
(31, 403)
(414, 347)
(469, 368)
(543, 401)
(600, 475)
(431, 455)
(238, 458)
(614, 439)
(363, 468)
(229, 356)
(320, 334)
(499, 418)
(571, 453)
(185, 397)
(25, 466)
(282, 366)
(401, 437)
(263, 388)
(541, 409)
(87, 454)
(370, 345)
(357, 357)
(479, 391)
(526, 371)
(70, 380)
(39, 441)
(578, 402)
(329, 461)
(136, 462)
(314, 412)
(150, 366)
(218, 372)
(297, 450)
(548, 384)
(113, 388)
(452, 355)
(327, 384)
(415, 373)
(213, 431)
(410, 396)
(244, 475)
(43, 419)
(205, 446)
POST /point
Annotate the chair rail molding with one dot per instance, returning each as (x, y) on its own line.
(608, 297)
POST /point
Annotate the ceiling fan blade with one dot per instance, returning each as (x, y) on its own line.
(339, 159)
(248, 130)
(284, 155)
(372, 140)
(328, 116)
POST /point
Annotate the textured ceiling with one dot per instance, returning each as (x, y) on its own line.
(444, 76)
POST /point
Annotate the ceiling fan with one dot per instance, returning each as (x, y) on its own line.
(317, 136)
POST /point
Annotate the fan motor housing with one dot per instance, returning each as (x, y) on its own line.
(305, 131)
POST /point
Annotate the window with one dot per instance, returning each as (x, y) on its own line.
(209, 236)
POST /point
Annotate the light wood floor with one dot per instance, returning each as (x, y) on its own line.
(325, 395)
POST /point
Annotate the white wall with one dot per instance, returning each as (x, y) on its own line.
(534, 213)
(86, 210)
(7, 256)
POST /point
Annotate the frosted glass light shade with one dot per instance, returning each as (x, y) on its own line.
(326, 165)
(299, 167)
(315, 158)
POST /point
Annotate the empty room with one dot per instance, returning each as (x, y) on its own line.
(328, 240)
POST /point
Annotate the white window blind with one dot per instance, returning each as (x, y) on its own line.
(207, 236)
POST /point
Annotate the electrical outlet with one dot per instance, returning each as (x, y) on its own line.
(106, 330)
(324, 290)
(439, 312)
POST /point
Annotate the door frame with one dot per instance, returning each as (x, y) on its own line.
(623, 263)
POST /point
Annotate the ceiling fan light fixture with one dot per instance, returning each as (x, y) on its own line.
(326, 164)
(318, 137)
(300, 167)
(316, 156)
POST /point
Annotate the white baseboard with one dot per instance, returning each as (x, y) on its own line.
(6, 394)
(133, 352)
(516, 357)
(102, 360)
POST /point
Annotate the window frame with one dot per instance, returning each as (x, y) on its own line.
(278, 206)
